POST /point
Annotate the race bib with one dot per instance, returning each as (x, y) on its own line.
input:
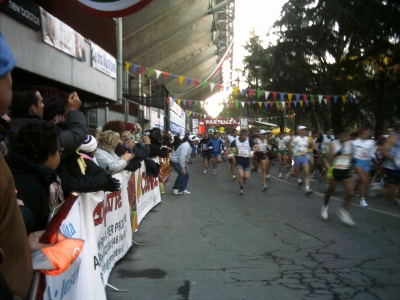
(205, 147)
(243, 151)
(342, 162)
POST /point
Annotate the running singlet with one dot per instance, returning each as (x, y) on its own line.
(281, 144)
(342, 162)
(364, 149)
(395, 152)
(203, 144)
(244, 148)
(262, 145)
(300, 145)
(325, 143)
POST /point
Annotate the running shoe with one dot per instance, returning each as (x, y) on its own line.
(345, 217)
(214, 172)
(185, 192)
(264, 187)
(233, 176)
(299, 182)
(267, 176)
(241, 192)
(205, 171)
(280, 175)
(175, 192)
(363, 202)
(309, 192)
(287, 177)
(324, 212)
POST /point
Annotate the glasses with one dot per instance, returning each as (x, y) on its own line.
(60, 151)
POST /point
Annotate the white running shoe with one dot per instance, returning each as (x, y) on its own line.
(214, 172)
(267, 176)
(345, 217)
(185, 192)
(175, 192)
(241, 191)
(324, 212)
(280, 175)
(264, 187)
(363, 202)
(205, 171)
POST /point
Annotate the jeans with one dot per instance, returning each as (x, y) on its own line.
(182, 180)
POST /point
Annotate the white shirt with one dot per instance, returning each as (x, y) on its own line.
(364, 149)
(300, 145)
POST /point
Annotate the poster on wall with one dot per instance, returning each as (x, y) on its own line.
(103, 61)
(156, 120)
(195, 123)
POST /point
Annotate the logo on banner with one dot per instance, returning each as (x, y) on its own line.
(113, 201)
(213, 122)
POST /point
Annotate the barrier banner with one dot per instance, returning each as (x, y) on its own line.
(65, 285)
(165, 169)
(144, 194)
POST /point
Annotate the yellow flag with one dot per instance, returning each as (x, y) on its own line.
(290, 97)
(181, 78)
(127, 65)
(301, 102)
(179, 101)
(190, 112)
(344, 98)
(236, 90)
(260, 103)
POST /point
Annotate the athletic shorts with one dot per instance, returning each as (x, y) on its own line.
(271, 156)
(338, 174)
(300, 160)
(315, 153)
(215, 154)
(281, 152)
(260, 155)
(393, 176)
(363, 163)
(206, 154)
(243, 163)
(194, 150)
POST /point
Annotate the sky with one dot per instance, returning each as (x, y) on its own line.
(259, 15)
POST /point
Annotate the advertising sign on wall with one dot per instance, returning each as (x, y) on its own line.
(23, 10)
(214, 122)
(195, 128)
(156, 120)
(103, 61)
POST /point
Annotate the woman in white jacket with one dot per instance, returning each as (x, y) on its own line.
(178, 161)
(105, 153)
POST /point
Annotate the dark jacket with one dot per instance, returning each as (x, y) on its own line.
(94, 180)
(156, 150)
(32, 181)
(141, 151)
(134, 163)
(71, 137)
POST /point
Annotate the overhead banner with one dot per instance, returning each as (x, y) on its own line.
(103, 61)
(213, 122)
(23, 10)
(113, 8)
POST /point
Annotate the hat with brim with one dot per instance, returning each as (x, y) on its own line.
(301, 127)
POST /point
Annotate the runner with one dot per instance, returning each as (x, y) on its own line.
(299, 153)
(205, 152)
(364, 150)
(315, 153)
(271, 151)
(289, 138)
(340, 153)
(232, 162)
(310, 155)
(241, 147)
(261, 156)
(214, 144)
(281, 150)
(324, 141)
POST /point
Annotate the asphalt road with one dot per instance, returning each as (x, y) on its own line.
(215, 244)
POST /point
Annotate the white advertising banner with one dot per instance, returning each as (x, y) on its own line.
(156, 120)
(103, 61)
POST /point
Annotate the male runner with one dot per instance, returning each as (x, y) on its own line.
(230, 139)
(261, 156)
(324, 141)
(214, 144)
(281, 150)
(271, 151)
(205, 152)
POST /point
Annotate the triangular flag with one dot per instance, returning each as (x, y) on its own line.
(242, 103)
(289, 103)
(320, 98)
(326, 101)
(184, 102)
(236, 103)
(196, 102)
(344, 98)
(312, 97)
(313, 102)
(259, 93)
(266, 93)
(274, 95)
(295, 103)
(282, 95)
(284, 103)
(181, 78)
(271, 103)
(266, 104)
(254, 102)
(248, 103)
(166, 74)
(224, 103)
(267, 118)
(158, 73)
(204, 84)
(194, 114)
(196, 82)
(212, 86)
(298, 97)
(290, 96)
(174, 75)
(351, 99)
(190, 112)
(142, 69)
(188, 80)
(150, 72)
(251, 92)
(328, 97)
(227, 88)
(307, 102)
(190, 102)
(236, 90)
(135, 68)
(179, 101)
(219, 87)
(230, 104)
(243, 91)
(335, 98)
(305, 97)
(260, 103)
(301, 102)
(127, 66)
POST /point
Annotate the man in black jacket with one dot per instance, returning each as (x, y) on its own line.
(27, 104)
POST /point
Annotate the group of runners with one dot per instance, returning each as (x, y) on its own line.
(342, 157)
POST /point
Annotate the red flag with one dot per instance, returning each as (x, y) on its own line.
(165, 74)
(142, 69)
(251, 92)
(274, 94)
(196, 82)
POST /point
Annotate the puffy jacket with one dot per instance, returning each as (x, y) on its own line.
(110, 161)
(217, 145)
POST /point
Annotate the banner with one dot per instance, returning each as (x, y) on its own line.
(214, 122)
(103, 61)
(165, 170)
(195, 123)
(24, 10)
(156, 120)
(176, 129)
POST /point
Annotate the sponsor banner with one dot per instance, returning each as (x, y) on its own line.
(165, 169)
(176, 109)
(214, 122)
(144, 194)
(103, 61)
(65, 285)
(177, 129)
(244, 124)
(23, 10)
(156, 120)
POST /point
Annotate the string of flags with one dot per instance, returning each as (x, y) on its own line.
(274, 97)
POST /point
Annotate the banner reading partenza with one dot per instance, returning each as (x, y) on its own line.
(214, 122)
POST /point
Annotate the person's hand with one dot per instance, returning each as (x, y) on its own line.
(113, 184)
(184, 171)
(127, 156)
(20, 202)
(33, 241)
(74, 103)
(146, 139)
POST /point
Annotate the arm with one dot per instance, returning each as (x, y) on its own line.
(141, 152)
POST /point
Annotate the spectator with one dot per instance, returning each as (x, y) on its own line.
(35, 156)
(141, 150)
(106, 156)
(156, 147)
(28, 104)
(16, 265)
(116, 126)
(177, 142)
